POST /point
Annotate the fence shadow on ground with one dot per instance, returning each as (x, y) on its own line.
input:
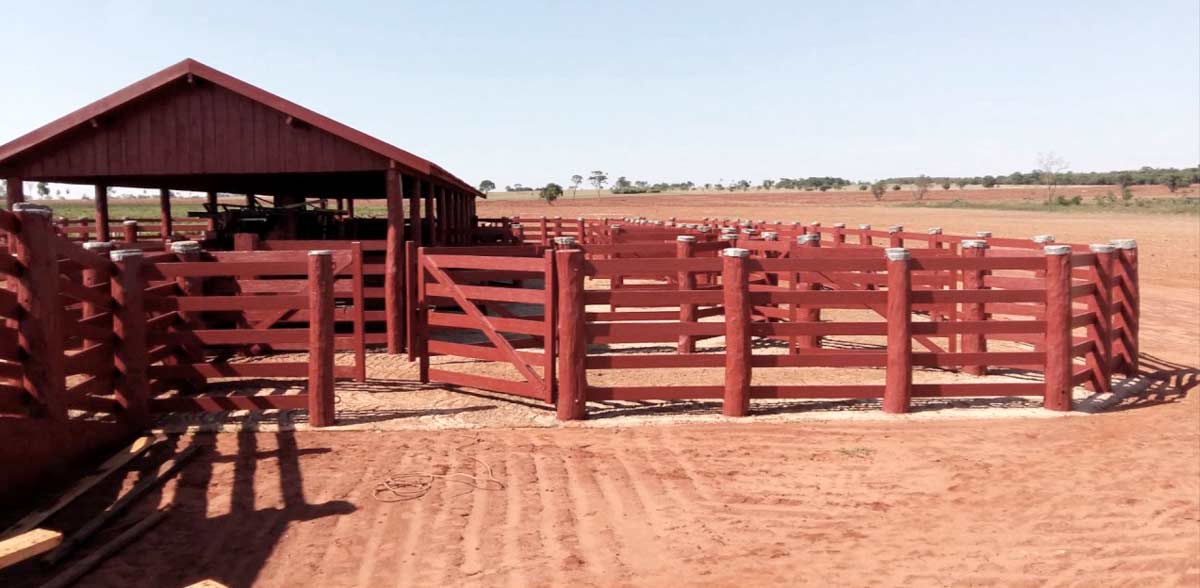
(1158, 382)
(213, 531)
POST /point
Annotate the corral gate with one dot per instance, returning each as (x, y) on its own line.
(490, 304)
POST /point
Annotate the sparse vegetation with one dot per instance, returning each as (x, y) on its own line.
(487, 186)
(551, 192)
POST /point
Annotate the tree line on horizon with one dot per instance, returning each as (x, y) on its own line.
(1051, 173)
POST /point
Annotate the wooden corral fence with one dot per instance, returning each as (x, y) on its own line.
(131, 230)
(138, 333)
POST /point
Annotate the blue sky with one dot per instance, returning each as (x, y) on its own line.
(532, 92)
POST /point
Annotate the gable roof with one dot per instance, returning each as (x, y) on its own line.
(191, 67)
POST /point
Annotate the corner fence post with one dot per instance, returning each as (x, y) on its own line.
(320, 338)
(571, 403)
(898, 389)
(39, 328)
(685, 246)
(1102, 273)
(736, 286)
(1057, 395)
(1126, 286)
(129, 328)
(974, 311)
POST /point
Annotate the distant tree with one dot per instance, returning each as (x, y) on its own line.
(744, 185)
(487, 186)
(43, 189)
(575, 181)
(962, 184)
(551, 192)
(621, 184)
(878, 189)
(766, 184)
(896, 187)
(945, 184)
(989, 182)
(1174, 182)
(1049, 166)
(921, 186)
(863, 187)
(598, 179)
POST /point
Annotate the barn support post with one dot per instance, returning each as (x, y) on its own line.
(898, 389)
(164, 209)
(101, 212)
(393, 291)
(410, 298)
(130, 228)
(15, 191)
(685, 246)
(414, 210)
(571, 403)
(211, 201)
(129, 330)
(1057, 395)
(810, 314)
(1126, 293)
(320, 339)
(441, 215)
(974, 311)
(736, 288)
(39, 330)
(430, 223)
(1102, 272)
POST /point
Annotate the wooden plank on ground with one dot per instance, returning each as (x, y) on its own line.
(29, 544)
(35, 518)
(85, 565)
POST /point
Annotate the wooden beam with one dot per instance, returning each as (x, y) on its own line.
(16, 191)
(393, 292)
(76, 571)
(101, 212)
(414, 210)
(15, 550)
(164, 207)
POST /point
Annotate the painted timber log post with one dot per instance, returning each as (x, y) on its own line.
(1125, 274)
(129, 328)
(839, 234)
(735, 277)
(974, 311)
(164, 209)
(685, 247)
(15, 193)
(245, 241)
(39, 326)
(130, 228)
(393, 291)
(864, 237)
(320, 338)
(92, 277)
(571, 403)
(898, 389)
(410, 295)
(1057, 395)
(1102, 272)
(102, 213)
(810, 314)
(895, 239)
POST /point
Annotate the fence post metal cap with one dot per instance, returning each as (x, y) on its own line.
(185, 246)
(33, 208)
(897, 253)
(686, 238)
(1124, 243)
(839, 225)
(770, 236)
(130, 223)
(815, 224)
(974, 244)
(735, 252)
(729, 237)
(123, 254)
(1057, 249)
(864, 227)
(1101, 248)
(98, 245)
(807, 237)
(983, 234)
(564, 240)
(515, 225)
(896, 229)
(935, 230)
(1043, 238)
(321, 252)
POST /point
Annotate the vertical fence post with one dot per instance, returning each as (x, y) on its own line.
(810, 314)
(1126, 286)
(320, 338)
(39, 328)
(410, 305)
(421, 330)
(245, 241)
(685, 246)
(571, 403)
(93, 277)
(839, 234)
(518, 233)
(974, 311)
(1057, 395)
(190, 251)
(898, 390)
(1102, 274)
(550, 321)
(360, 310)
(393, 286)
(544, 233)
(131, 231)
(164, 208)
(864, 236)
(129, 328)
(736, 285)
(895, 240)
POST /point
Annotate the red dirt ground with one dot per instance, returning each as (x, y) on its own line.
(1109, 499)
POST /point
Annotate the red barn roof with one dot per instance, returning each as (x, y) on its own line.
(190, 126)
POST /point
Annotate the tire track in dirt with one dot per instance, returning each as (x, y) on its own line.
(425, 531)
(516, 476)
(389, 523)
(586, 507)
(560, 545)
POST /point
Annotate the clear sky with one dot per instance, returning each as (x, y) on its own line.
(532, 92)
